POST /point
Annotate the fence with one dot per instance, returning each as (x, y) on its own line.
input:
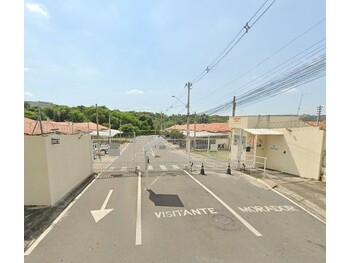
(252, 163)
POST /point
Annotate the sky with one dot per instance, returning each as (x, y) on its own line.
(88, 52)
(136, 55)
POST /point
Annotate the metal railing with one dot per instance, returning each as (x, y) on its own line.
(252, 162)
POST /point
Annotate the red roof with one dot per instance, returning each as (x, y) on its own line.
(322, 124)
(32, 127)
(208, 127)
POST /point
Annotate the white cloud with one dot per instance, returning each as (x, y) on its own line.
(135, 92)
(37, 8)
(28, 94)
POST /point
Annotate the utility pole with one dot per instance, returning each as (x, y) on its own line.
(109, 126)
(98, 134)
(120, 125)
(41, 125)
(188, 145)
(234, 106)
(194, 135)
(319, 109)
(161, 122)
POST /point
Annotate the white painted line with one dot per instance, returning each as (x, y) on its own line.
(138, 213)
(138, 167)
(154, 180)
(150, 167)
(163, 167)
(101, 213)
(43, 235)
(175, 166)
(123, 168)
(319, 219)
(252, 229)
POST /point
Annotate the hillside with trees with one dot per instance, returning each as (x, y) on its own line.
(126, 121)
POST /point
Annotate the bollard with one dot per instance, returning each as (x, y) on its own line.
(228, 171)
(202, 170)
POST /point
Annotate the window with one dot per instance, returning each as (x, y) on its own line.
(236, 139)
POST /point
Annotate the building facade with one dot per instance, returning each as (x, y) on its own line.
(283, 142)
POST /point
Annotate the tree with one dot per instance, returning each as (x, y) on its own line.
(127, 128)
(26, 105)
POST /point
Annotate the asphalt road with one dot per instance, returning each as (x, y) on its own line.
(181, 217)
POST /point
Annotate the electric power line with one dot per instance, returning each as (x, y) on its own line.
(233, 42)
(266, 59)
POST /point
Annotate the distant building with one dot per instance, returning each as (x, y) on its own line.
(39, 103)
(283, 142)
(207, 136)
(32, 127)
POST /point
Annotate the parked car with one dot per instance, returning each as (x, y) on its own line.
(103, 148)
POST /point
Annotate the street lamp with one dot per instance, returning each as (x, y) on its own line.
(188, 143)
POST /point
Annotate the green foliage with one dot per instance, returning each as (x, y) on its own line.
(26, 105)
(128, 122)
(30, 114)
(127, 128)
(174, 134)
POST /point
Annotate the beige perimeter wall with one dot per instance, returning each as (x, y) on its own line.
(52, 170)
(298, 152)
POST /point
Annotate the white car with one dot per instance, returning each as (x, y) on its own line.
(103, 148)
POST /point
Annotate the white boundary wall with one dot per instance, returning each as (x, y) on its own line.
(52, 170)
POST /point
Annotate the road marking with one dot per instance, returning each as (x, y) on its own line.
(319, 219)
(268, 208)
(124, 168)
(138, 167)
(252, 229)
(99, 214)
(138, 213)
(175, 166)
(150, 167)
(43, 235)
(163, 167)
(184, 212)
(154, 180)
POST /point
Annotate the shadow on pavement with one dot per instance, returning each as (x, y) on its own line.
(165, 199)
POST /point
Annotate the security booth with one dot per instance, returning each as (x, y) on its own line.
(283, 143)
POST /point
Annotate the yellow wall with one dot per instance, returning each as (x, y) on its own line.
(298, 152)
(52, 170)
(36, 180)
(69, 163)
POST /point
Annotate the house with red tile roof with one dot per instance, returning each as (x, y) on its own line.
(215, 127)
(208, 136)
(32, 127)
(322, 124)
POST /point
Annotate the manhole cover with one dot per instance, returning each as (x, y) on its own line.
(224, 222)
(222, 219)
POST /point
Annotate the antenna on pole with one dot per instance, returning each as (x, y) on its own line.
(301, 98)
(300, 103)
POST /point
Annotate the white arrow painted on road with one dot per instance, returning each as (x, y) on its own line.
(99, 214)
